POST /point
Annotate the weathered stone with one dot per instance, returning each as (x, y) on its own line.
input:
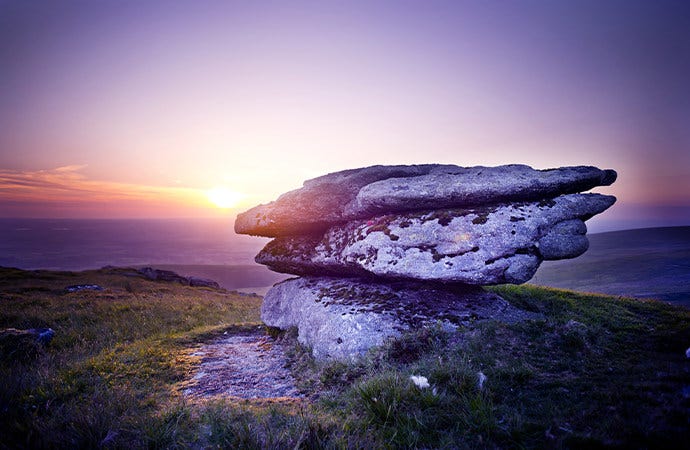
(344, 318)
(468, 186)
(319, 203)
(84, 287)
(203, 282)
(21, 345)
(565, 240)
(170, 276)
(479, 246)
(163, 275)
(360, 193)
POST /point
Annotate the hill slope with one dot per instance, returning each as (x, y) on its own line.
(644, 263)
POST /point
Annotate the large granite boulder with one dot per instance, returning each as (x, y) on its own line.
(492, 244)
(387, 249)
(343, 318)
(360, 193)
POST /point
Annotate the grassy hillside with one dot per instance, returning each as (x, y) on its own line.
(594, 371)
(644, 263)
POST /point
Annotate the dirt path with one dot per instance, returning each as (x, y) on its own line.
(248, 365)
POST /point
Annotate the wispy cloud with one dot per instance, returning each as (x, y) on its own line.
(69, 184)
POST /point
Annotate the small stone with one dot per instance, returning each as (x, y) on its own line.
(17, 344)
(43, 335)
(163, 275)
(84, 287)
(481, 379)
(203, 282)
(420, 381)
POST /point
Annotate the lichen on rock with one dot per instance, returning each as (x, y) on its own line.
(502, 243)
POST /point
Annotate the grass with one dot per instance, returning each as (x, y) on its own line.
(116, 354)
(594, 371)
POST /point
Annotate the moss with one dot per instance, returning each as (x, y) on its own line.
(381, 224)
(480, 219)
(444, 221)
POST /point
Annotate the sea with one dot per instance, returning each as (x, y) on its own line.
(643, 263)
(80, 244)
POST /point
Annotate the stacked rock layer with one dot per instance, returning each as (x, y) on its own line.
(441, 225)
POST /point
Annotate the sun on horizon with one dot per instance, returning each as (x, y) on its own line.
(223, 197)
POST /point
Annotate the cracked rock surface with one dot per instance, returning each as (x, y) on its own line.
(248, 365)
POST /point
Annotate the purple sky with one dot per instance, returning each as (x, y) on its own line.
(123, 109)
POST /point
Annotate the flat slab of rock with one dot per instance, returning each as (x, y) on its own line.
(343, 318)
(468, 186)
(360, 193)
(496, 244)
(319, 203)
(247, 365)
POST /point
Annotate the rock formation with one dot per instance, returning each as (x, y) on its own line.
(399, 240)
(170, 276)
(361, 193)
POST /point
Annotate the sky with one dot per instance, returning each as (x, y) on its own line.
(123, 109)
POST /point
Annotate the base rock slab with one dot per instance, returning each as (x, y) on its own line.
(343, 318)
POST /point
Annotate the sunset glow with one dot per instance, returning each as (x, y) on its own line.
(120, 109)
(65, 189)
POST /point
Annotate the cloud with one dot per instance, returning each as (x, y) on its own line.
(72, 168)
(68, 184)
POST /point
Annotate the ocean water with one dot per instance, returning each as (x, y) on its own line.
(644, 263)
(67, 244)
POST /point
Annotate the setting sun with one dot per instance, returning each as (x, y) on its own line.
(223, 197)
